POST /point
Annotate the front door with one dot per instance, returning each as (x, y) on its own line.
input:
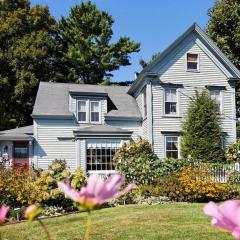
(21, 155)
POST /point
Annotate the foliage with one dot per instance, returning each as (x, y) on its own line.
(53, 211)
(17, 188)
(30, 52)
(87, 33)
(232, 152)
(78, 179)
(169, 166)
(144, 63)
(171, 187)
(223, 27)
(201, 130)
(136, 161)
(198, 184)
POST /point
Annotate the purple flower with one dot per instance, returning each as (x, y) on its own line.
(3, 213)
(97, 191)
(226, 216)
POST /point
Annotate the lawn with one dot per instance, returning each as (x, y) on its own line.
(166, 221)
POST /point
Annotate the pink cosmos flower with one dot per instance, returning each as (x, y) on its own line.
(3, 213)
(97, 191)
(226, 216)
(32, 212)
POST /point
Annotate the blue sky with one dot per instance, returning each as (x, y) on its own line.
(153, 23)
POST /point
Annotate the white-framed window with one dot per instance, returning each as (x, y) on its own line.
(192, 62)
(172, 146)
(217, 96)
(100, 155)
(88, 111)
(170, 101)
(95, 111)
(144, 94)
(82, 111)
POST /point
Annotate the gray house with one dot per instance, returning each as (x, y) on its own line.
(86, 124)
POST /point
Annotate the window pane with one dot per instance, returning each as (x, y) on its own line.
(94, 116)
(82, 116)
(170, 108)
(95, 106)
(170, 95)
(192, 65)
(81, 106)
(192, 57)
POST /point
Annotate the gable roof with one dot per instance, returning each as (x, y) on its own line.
(235, 73)
(18, 134)
(53, 100)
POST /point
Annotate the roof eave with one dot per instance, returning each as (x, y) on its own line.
(139, 80)
(67, 116)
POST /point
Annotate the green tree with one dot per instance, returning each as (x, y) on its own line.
(224, 29)
(144, 63)
(202, 130)
(87, 33)
(30, 52)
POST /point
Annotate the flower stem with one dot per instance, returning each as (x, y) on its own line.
(45, 229)
(88, 226)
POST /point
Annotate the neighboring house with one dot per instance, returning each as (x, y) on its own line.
(86, 124)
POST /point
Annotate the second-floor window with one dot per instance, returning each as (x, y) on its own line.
(82, 111)
(95, 111)
(192, 62)
(171, 101)
(88, 111)
(216, 95)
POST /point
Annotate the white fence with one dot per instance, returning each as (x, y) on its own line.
(220, 173)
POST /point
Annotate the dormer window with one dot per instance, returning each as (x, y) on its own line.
(88, 111)
(82, 110)
(192, 62)
(95, 111)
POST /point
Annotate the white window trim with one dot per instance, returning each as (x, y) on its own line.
(86, 101)
(99, 108)
(143, 109)
(165, 144)
(198, 63)
(178, 102)
(88, 110)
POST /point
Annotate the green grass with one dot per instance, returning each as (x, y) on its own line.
(167, 221)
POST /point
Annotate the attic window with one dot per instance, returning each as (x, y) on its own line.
(192, 62)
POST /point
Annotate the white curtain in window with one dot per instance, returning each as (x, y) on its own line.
(94, 106)
(170, 95)
(82, 106)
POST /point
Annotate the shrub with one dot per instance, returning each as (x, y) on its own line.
(136, 161)
(171, 187)
(232, 153)
(17, 188)
(198, 184)
(78, 179)
(202, 131)
(169, 166)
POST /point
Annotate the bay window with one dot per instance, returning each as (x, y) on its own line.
(100, 155)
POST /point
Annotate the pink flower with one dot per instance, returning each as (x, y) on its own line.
(97, 191)
(226, 216)
(32, 212)
(3, 213)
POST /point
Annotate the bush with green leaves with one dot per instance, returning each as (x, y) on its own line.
(232, 153)
(201, 132)
(136, 161)
(169, 166)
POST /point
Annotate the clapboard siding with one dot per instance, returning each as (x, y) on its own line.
(173, 70)
(128, 125)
